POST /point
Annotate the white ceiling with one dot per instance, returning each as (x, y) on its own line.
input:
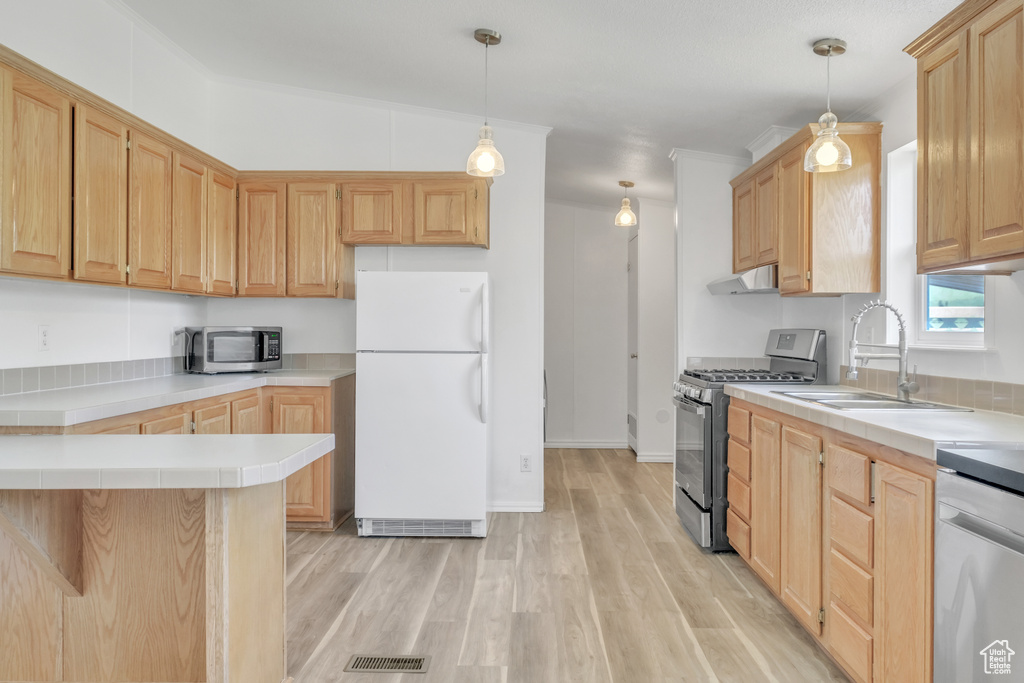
(621, 82)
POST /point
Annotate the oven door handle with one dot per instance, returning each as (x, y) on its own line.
(689, 406)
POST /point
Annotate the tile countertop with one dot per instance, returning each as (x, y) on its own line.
(65, 407)
(917, 432)
(171, 462)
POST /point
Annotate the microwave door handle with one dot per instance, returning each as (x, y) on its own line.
(190, 342)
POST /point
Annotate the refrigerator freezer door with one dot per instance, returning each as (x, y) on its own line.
(421, 447)
(400, 311)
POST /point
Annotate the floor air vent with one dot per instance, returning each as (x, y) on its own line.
(387, 665)
(421, 527)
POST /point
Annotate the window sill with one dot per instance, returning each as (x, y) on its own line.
(949, 347)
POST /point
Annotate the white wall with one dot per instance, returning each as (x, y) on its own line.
(105, 49)
(585, 326)
(656, 326)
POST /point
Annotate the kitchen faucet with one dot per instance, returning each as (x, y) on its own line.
(903, 385)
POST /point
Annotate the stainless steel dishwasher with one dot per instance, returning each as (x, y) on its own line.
(979, 565)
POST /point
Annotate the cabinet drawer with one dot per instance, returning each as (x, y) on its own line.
(851, 585)
(739, 496)
(739, 423)
(851, 645)
(852, 531)
(739, 460)
(739, 533)
(849, 473)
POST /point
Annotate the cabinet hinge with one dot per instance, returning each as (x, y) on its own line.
(821, 458)
(476, 193)
(127, 144)
(127, 269)
(821, 615)
(808, 276)
(238, 193)
(193, 426)
(271, 405)
(337, 194)
(337, 286)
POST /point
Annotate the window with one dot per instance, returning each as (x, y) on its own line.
(952, 310)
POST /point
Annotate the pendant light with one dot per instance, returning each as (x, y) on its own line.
(829, 152)
(485, 161)
(625, 218)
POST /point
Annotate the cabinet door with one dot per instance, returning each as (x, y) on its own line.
(371, 212)
(942, 158)
(903, 575)
(35, 223)
(794, 223)
(180, 423)
(765, 473)
(346, 271)
(213, 419)
(122, 424)
(307, 492)
(150, 211)
(188, 252)
(101, 192)
(221, 230)
(744, 254)
(444, 212)
(801, 526)
(261, 239)
(766, 217)
(245, 416)
(996, 50)
(312, 239)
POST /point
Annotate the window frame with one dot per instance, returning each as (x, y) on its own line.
(942, 339)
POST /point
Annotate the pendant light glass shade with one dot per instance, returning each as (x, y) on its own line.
(829, 152)
(625, 218)
(485, 161)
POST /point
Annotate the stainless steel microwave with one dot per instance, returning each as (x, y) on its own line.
(232, 349)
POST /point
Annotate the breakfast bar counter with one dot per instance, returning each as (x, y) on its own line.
(156, 558)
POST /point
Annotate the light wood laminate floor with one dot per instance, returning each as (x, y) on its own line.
(602, 587)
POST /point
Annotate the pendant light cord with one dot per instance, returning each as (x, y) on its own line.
(487, 44)
(828, 82)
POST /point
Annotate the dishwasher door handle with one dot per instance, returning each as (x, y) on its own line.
(1007, 539)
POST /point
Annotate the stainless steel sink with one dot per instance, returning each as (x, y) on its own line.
(842, 400)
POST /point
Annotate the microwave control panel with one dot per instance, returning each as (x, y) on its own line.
(273, 346)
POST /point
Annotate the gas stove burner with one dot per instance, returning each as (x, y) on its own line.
(723, 375)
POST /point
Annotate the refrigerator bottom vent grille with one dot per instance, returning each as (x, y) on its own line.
(420, 527)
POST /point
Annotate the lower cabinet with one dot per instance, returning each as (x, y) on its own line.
(840, 529)
(319, 496)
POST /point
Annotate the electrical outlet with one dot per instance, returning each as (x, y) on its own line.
(44, 337)
(524, 464)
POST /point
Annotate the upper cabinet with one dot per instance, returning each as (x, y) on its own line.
(822, 229)
(261, 239)
(450, 210)
(970, 75)
(222, 231)
(35, 217)
(371, 211)
(189, 228)
(312, 239)
(101, 189)
(151, 173)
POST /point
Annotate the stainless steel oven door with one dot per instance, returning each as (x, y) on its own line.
(693, 450)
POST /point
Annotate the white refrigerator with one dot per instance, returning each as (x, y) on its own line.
(421, 403)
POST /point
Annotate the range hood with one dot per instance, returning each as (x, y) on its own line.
(757, 281)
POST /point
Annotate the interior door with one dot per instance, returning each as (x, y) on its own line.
(631, 344)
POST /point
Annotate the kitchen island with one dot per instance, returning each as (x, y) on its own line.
(157, 558)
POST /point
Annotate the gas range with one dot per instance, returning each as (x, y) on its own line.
(795, 356)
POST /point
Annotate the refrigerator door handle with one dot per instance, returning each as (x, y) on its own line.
(485, 318)
(483, 388)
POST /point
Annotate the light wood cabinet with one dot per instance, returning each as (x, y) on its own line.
(854, 538)
(179, 423)
(800, 537)
(903, 574)
(743, 231)
(214, 419)
(970, 126)
(222, 232)
(312, 230)
(822, 228)
(101, 192)
(190, 185)
(765, 503)
(35, 167)
(371, 211)
(261, 239)
(450, 211)
(246, 416)
(150, 211)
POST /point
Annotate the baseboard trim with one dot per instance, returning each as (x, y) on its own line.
(586, 444)
(655, 458)
(515, 507)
